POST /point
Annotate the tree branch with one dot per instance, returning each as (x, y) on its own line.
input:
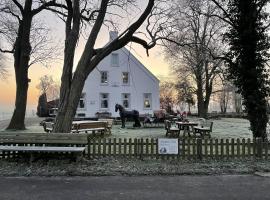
(18, 5)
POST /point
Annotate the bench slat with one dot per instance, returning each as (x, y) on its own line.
(42, 149)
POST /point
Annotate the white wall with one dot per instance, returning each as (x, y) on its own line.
(140, 81)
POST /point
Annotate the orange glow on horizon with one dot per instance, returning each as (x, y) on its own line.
(154, 63)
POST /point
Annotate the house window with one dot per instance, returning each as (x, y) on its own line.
(126, 100)
(115, 60)
(125, 78)
(147, 100)
(81, 114)
(104, 100)
(104, 77)
(82, 101)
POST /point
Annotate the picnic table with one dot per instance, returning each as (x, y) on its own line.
(90, 126)
(186, 126)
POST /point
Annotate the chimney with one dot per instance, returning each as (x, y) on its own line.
(113, 35)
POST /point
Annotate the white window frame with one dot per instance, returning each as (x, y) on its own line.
(117, 60)
(101, 99)
(149, 99)
(128, 99)
(104, 83)
(123, 78)
(82, 98)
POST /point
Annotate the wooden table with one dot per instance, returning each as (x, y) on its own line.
(92, 126)
(186, 126)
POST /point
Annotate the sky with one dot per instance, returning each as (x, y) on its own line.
(155, 63)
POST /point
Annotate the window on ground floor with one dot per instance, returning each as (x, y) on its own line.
(104, 100)
(126, 100)
(147, 100)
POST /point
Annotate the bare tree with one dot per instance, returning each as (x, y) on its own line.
(45, 82)
(185, 93)
(73, 83)
(3, 69)
(16, 21)
(195, 47)
(167, 96)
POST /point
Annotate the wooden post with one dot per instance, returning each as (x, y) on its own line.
(89, 146)
(104, 147)
(125, 147)
(199, 148)
(135, 147)
(238, 147)
(120, 146)
(259, 148)
(232, 149)
(221, 148)
(114, 146)
(147, 147)
(152, 148)
(243, 148)
(227, 149)
(249, 148)
(99, 147)
(141, 148)
(130, 147)
(216, 149)
(110, 147)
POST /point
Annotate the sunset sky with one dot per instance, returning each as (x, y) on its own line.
(155, 63)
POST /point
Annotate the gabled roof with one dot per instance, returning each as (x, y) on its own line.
(139, 64)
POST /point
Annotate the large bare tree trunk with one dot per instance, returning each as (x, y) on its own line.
(21, 64)
(72, 86)
(18, 117)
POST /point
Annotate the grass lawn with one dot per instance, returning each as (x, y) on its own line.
(222, 128)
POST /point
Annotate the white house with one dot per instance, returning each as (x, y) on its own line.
(119, 78)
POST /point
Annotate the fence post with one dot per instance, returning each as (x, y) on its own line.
(259, 147)
(199, 148)
(141, 148)
(88, 145)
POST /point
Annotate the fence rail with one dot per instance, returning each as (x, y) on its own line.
(187, 148)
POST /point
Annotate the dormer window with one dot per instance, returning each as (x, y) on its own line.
(125, 78)
(115, 60)
(104, 77)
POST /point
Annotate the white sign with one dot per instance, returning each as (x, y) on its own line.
(167, 146)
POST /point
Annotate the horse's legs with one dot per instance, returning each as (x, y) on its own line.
(137, 121)
(123, 122)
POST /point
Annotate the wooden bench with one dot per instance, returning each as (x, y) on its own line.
(109, 124)
(76, 151)
(12, 144)
(93, 127)
(204, 130)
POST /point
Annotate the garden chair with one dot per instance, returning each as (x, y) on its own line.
(204, 129)
(171, 130)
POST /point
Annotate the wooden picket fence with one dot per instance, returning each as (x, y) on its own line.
(187, 148)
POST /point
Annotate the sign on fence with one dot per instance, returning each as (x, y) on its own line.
(167, 146)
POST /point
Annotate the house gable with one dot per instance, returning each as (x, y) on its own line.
(140, 65)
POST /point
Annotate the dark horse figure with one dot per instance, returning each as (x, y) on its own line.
(134, 114)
